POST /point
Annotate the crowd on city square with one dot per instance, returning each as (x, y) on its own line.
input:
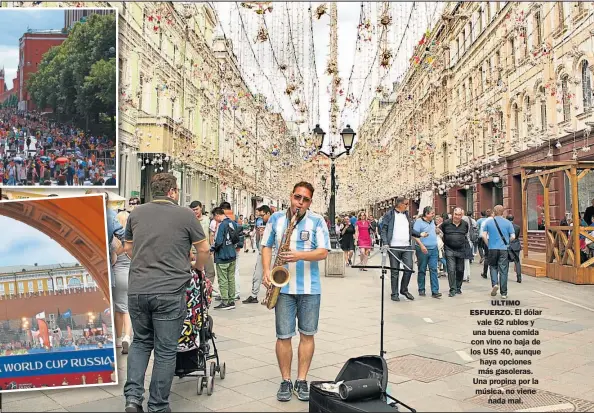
(36, 151)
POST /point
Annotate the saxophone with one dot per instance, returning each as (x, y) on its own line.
(279, 275)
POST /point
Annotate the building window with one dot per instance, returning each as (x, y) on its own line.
(21, 287)
(470, 87)
(90, 281)
(484, 135)
(480, 21)
(538, 35)
(39, 285)
(482, 85)
(586, 85)
(560, 15)
(1, 289)
(512, 53)
(516, 113)
(527, 115)
(566, 100)
(11, 288)
(60, 283)
(30, 288)
(543, 108)
(535, 196)
(74, 283)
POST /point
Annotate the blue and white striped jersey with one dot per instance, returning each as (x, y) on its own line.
(311, 233)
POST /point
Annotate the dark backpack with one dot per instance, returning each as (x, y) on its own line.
(235, 234)
(474, 233)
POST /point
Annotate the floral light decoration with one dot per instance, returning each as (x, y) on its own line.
(158, 16)
(260, 7)
(365, 30)
(321, 10)
(262, 35)
(386, 59)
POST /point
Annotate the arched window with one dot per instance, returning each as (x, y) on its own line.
(560, 15)
(512, 52)
(74, 283)
(527, 116)
(516, 114)
(543, 108)
(586, 85)
(566, 100)
(538, 36)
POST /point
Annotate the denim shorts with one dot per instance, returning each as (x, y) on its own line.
(304, 307)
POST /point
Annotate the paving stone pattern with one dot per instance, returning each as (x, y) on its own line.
(427, 343)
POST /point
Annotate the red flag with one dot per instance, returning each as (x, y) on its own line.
(44, 333)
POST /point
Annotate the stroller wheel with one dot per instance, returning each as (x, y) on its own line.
(213, 368)
(210, 385)
(222, 371)
(201, 385)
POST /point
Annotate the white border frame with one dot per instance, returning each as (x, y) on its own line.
(111, 306)
(117, 116)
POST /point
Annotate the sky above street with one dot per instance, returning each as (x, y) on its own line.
(14, 24)
(24, 245)
(409, 23)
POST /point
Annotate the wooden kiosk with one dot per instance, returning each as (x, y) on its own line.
(563, 260)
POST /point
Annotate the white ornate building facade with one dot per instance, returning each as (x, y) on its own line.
(494, 85)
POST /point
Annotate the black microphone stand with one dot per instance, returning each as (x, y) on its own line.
(405, 269)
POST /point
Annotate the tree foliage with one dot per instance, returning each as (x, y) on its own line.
(78, 77)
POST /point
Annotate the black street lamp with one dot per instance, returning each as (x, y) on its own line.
(348, 136)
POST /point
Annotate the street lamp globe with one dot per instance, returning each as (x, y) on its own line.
(112, 50)
(318, 135)
(348, 136)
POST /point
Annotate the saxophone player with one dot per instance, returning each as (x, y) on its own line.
(300, 298)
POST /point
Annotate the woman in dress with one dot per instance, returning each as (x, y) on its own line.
(362, 237)
(347, 241)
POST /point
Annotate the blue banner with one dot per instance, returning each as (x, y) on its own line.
(69, 362)
(67, 314)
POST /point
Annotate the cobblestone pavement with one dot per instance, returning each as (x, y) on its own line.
(428, 344)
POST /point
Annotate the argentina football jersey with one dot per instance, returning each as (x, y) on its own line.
(309, 234)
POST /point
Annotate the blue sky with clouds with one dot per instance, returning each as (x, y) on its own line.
(14, 24)
(26, 246)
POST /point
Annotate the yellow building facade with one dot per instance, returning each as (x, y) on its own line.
(33, 279)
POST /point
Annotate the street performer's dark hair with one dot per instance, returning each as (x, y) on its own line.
(305, 185)
(265, 209)
(225, 205)
(162, 183)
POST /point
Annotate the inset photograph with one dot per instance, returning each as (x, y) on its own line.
(56, 323)
(58, 94)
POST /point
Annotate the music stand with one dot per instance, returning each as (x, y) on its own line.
(405, 269)
(384, 250)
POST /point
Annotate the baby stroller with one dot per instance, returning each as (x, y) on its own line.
(193, 349)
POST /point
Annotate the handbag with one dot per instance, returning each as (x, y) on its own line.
(510, 254)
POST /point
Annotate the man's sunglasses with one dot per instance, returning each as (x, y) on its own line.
(300, 197)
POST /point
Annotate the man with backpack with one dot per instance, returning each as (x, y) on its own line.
(498, 233)
(226, 206)
(225, 258)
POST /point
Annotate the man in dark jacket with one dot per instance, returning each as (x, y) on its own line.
(397, 233)
(224, 258)
(514, 249)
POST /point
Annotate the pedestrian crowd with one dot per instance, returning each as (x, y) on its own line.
(37, 151)
(444, 245)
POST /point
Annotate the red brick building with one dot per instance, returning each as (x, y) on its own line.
(32, 46)
(5, 90)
